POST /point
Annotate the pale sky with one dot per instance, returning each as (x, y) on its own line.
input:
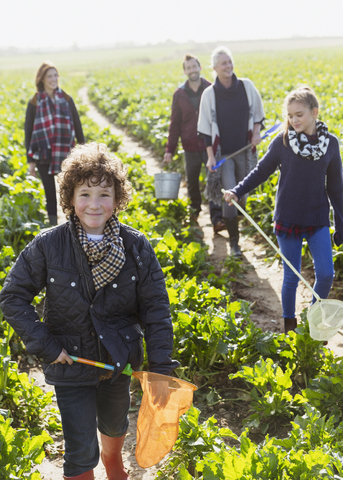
(62, 23)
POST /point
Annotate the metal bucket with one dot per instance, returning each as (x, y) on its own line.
(167, 185)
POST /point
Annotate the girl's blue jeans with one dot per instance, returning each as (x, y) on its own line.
(321, 250)
(84, 410)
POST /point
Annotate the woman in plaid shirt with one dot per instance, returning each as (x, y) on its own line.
(51, 126)
(310, 164)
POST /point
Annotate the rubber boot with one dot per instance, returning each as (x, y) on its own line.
(219, 226)
(53, 220)
(290, 324)
(84, 476)
(111, 457)
(232, 228)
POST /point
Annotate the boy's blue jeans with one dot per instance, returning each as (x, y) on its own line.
(84, 409)
(321, 250)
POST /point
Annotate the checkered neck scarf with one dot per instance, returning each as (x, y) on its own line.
(53, 128)
(106, 257)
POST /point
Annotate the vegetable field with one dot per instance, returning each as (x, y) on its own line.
(140, 99)
(285, 392)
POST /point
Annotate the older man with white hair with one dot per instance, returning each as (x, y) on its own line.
(230, 117)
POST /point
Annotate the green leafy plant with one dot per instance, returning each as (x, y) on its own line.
(182, 259)
(5, 354)
(271, 399)
(16, 229)
(312, 430)
(7, 256)
(325, 392)
(312, 450)
(19, 451)
(194, 442)
(203, 338)
(305, 356)
(25, 401)
(189, 293)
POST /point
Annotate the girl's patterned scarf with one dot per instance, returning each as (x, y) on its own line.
(53, 128)
(106, 257)
(301, 146)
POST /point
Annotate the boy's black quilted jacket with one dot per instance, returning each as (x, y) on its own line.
(89, 323)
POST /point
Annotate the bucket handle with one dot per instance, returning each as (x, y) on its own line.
(163, 165)
(275, 247)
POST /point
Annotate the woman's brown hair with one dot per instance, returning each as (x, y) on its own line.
(93, 164)
(304, 95)
(41, 74)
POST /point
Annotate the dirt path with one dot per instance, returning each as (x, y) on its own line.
(261, 286)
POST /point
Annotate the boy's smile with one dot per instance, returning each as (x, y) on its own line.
(94, 205)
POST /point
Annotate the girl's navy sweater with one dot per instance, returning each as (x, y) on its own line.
(305, 186)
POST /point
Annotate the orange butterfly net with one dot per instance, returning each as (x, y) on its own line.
(164, 400)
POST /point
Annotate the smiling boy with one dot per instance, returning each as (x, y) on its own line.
(104, 290)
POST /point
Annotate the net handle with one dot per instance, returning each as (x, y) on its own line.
(275, 247)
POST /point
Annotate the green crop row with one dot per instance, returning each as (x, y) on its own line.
(313, 450)
(280, 379)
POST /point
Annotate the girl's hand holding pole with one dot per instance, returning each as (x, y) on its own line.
(228, 195)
